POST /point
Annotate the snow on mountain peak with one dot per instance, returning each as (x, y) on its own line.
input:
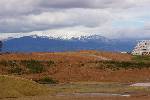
(66, 36)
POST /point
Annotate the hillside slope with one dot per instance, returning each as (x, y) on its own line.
(13, 87)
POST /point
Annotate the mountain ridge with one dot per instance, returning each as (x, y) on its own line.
(35, 43)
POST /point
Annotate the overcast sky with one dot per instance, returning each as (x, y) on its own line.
(110, 18)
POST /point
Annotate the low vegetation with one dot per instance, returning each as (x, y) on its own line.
(47, 80)
(144, 59)
(25, 66)
(13, 87)
(117, 65)
(76, 66)
(33, 66)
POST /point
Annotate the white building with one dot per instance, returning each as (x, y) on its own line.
(142, 48)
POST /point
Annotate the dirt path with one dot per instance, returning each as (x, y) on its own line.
(94, 94)
(141, 84)
(97, 57)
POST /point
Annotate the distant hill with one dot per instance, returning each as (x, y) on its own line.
(50, 44)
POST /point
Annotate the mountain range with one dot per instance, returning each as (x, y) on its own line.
(35, 43)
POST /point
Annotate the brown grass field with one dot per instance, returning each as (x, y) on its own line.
(78, 66)
(81, 67)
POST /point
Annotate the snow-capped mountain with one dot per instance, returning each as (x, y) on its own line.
(43, 43)
(66, 36)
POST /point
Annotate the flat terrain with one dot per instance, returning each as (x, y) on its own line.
(88, 90)
(75, 74)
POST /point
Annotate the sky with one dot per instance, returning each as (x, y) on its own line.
(109, 18)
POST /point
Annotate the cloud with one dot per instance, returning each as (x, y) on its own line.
(55, 20)
(85, 3)
(15, 7)
(111, 18)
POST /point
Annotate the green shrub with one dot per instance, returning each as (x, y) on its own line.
(141, 58)
(15, 70)
(116, 65)
(50, 63)
(30, 66)
(47, 80)
(34, 66)
(8, 63)
(11, 66)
